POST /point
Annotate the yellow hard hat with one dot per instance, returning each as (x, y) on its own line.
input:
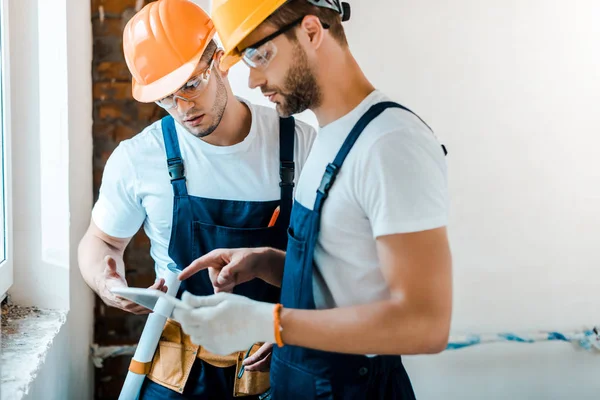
(236, 19)
(163, 44)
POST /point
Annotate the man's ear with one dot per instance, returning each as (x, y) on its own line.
(218, 56)
(311, 26)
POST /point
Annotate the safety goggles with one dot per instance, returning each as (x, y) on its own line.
(260, 54)
(192, 89)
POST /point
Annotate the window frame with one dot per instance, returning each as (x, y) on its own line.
(6, 266)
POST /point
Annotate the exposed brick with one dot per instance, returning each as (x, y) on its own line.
(110, 111)
(113, 7)
(143, 279)
(104, 156)
(117, 117)
(138, 261)
(112, 71)
(103, 131)
(108, 49)
(123, 132)
(150, 112)
(110, 379)
(97, 183)
(111, 27)
(101, 147)
(112, 91)
(141, 240)
(123, 112)
(124, 329)
(104, 311)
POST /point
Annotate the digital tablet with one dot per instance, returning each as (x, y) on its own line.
(148, 297)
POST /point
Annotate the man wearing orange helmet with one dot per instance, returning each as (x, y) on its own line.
(367, 272)
(215, 173)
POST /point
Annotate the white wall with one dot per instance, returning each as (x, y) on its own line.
(80, 323)
(52, 170)
(513, 89)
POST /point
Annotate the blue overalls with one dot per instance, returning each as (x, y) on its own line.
(201, 225)
(301, 373)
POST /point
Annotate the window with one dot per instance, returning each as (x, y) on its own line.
(3, 169)
(6, 275)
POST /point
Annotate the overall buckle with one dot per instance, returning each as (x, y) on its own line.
(328, 179)
(176, 169)
(286, 173)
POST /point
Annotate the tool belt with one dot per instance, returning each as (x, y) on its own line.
(176, 354)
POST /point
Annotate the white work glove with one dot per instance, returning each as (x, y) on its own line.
(225, 322)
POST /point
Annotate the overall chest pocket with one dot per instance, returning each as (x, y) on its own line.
(295, 272)
(291, 383)
(207, 237)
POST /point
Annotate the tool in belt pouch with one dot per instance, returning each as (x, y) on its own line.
(176, 354)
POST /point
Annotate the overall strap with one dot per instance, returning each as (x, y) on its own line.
(287, 133)
(391, 104)
(174, 160)
(333, 168)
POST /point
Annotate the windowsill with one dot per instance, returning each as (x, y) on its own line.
(27, 335)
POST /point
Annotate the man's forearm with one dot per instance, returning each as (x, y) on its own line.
(270, 266)
(91, 254)
(387, 327)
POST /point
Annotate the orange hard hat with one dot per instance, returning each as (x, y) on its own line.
(163, 44)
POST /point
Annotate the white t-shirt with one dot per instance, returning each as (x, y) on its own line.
(136, 187)
(393, 181)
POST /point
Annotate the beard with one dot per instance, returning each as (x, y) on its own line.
(300, 91)
(218, 109)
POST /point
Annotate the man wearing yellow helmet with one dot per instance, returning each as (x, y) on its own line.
(212, 174)
(367, 273)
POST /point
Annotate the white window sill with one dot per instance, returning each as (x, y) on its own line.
(27, 335)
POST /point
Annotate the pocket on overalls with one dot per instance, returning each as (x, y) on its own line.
(173, 359)
(289, 383)
(293, 276)
(207, 237)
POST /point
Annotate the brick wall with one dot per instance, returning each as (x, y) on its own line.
(117, 117)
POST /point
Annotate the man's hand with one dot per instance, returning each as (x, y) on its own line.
(228, 268)
(225, 322)
(261, 360)
(110, 279)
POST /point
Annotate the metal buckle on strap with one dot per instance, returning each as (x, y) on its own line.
(286, 173)
(176, 169)
(328, 179)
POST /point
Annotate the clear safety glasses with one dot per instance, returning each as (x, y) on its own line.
(260, 54)
(190, 91)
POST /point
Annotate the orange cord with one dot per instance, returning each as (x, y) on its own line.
(277, 323)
